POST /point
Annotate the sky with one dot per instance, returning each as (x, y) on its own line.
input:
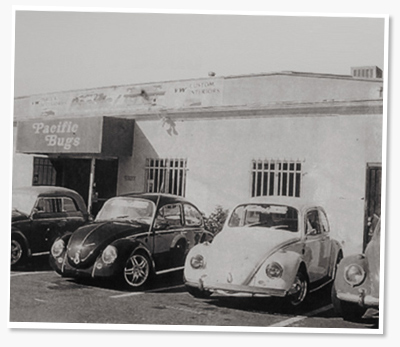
(61, 51)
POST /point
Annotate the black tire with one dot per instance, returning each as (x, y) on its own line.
(18, 252)
(137, 272)
(348, 310)
(301, 284)
(197, 292)
(338, 259)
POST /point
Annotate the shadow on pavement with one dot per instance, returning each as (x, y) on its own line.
(39, 263)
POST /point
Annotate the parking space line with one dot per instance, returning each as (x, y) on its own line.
(147, 291)
(14, 274)
(292, 320)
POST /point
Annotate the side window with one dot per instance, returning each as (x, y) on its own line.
(68, 205)
(313, 226)
(49, 205)
(169, 216)
(192, 216)
(324, 222)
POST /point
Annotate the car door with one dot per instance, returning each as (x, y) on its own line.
(326, 244)
(193, 225)
(48, 222)
(314, 249)
(167, 225)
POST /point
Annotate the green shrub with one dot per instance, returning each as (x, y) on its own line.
(215, 221)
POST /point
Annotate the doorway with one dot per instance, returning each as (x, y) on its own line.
(372, 200)
(74, 173)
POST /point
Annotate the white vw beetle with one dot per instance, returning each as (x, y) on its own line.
(273, 247)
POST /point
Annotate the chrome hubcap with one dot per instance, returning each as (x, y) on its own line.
(300, 290)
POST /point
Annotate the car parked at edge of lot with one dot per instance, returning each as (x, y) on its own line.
(356, 287)
(133, 237)
(39, 215)
(269, 246)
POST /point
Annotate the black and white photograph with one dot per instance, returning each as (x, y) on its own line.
(198, 172)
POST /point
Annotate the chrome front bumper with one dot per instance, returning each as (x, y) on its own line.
(237, 290)
(361, 299)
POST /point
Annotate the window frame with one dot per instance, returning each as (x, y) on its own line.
(170, 227)
(166, 175)
(274, 177)
(197, 212)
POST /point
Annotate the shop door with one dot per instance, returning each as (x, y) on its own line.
(372, 200)
(73, 174)
(105, 183)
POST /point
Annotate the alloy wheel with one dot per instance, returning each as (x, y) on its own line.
(137, 270)
(16, 252)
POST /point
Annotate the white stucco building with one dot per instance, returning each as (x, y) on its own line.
(217, 140)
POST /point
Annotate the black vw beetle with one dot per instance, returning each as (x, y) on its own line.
(133, 237)
(39, 215)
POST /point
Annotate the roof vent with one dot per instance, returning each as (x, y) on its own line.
(366, 72)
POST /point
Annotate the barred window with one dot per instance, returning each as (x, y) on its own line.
(276, 178)
(44, 173)
(166, 176)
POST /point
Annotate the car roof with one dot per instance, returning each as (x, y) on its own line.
(298, 203)
(44, 190)
(52, 191)
(163, 197)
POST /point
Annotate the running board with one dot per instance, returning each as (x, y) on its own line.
(321, 286)
(169, 270)
(39, 254)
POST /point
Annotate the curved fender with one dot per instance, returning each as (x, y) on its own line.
(178, 238)
(127, 246)
(335, 250)
(15, 231)
(340, 284)
(193, 275)
(290, 262)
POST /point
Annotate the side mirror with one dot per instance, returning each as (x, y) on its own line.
(312, 232)
(35, 213)
(160, 225)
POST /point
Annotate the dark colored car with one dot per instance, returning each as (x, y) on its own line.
(133, 237)
(41, 214)
(356, 287)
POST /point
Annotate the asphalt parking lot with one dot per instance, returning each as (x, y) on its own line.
(37, 294)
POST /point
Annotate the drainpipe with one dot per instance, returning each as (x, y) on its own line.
(91, 184)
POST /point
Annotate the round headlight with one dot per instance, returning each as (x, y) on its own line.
(57, 248)
(197, 261)
(354, 274)
(274, 270)
(109, 255)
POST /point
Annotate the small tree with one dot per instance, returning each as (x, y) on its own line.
(215, 221)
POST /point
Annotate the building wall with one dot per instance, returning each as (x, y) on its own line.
(297, 88)
(334, 151)
(22, 166)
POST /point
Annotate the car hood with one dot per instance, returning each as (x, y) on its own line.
(17, 216)
(88, 241)
(238, 252)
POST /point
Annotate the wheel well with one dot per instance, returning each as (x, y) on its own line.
(142, 250)
(303, 269)
(24, 243)
(182, 242)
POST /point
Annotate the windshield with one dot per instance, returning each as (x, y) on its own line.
(23, 202)
(266, 216)
(131, 209)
